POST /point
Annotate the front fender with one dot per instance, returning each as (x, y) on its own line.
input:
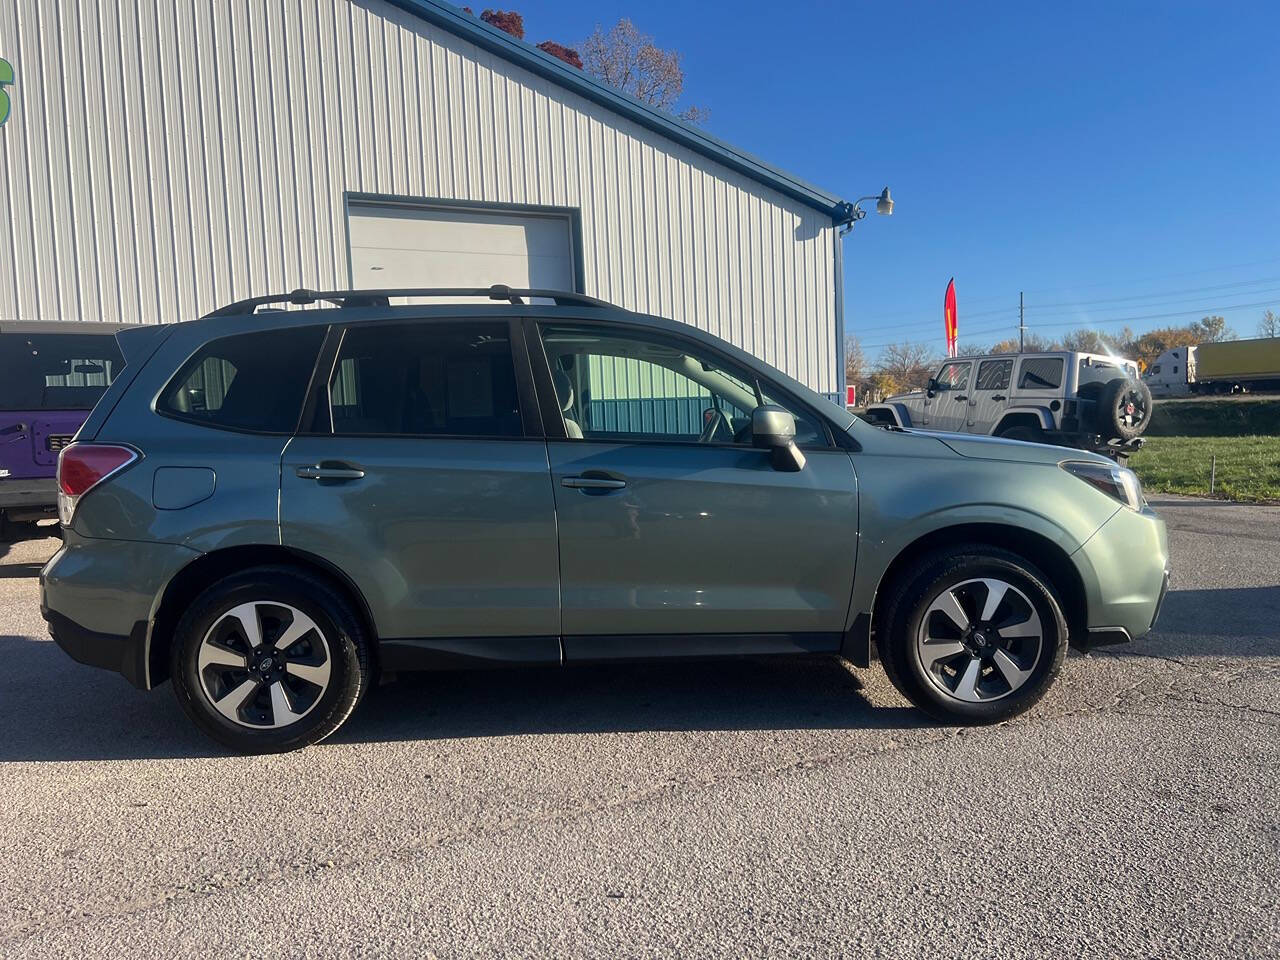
(899, 412)
(913, 485)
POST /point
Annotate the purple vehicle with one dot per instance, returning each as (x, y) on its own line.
(51, 375)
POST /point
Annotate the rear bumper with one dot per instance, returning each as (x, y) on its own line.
(99, 598)
(38, 494)
(1127, 575)
(126, 655)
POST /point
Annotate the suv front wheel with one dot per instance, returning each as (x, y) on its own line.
(269, 659)
(972, 635)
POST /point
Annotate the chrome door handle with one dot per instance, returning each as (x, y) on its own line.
(329, 473)
(592, 483)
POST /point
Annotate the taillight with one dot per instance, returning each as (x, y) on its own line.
(82, 466)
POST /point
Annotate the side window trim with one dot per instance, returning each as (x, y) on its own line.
(316, 417)
(548, 405)
(553, 417)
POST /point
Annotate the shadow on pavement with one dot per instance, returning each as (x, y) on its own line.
(1228, 621)
(18, 571)
(53, 709)
(728, 695)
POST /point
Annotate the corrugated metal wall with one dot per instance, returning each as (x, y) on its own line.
(168, 156)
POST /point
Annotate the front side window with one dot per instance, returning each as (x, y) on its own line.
(1040, 373)
(630, 385)
(953, 376)
(252, 381)
(426, 379)
(56, 371)
(994, 374)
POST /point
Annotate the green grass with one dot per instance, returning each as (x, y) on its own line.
(1238, 416)
(1248, 467)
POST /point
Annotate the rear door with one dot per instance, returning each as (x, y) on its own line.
(990, 394)
(1038, 380)
(677, 537)
(423, 477)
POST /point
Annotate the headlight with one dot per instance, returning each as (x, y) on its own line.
(1115, 481)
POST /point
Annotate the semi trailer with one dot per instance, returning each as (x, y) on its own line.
(1232, 366)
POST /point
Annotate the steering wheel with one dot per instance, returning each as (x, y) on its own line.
(713, 423)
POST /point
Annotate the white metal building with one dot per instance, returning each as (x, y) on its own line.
(162, 159)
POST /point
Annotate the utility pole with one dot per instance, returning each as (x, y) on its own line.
(1022, 327)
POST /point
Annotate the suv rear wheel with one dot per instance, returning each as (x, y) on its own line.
(269, 659)
(973, 635)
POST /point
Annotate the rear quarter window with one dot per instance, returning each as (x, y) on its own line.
(255, 382)
(1040, 373)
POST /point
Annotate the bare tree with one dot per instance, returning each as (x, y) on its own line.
(906, 365)
(1269, 325)
(1213, 329)
(855, 361)
(629, 60)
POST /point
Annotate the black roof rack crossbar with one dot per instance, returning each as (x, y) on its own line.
(382, 298)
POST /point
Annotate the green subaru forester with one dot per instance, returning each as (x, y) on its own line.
(272, 507)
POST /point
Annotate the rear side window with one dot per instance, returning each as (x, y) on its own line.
(995, 374)
(1040, 373)
(426, 379)
(56, 371)
(252, 381)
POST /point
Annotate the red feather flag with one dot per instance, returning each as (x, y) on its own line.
(949, 318)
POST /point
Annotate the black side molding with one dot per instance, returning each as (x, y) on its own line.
(126, 655)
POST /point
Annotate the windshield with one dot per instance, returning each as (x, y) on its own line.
(56, 371)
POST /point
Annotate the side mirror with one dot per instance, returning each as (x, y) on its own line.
(774, 429)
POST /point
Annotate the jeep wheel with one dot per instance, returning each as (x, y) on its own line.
(972, 635)
(268, 660)
(1124, 409)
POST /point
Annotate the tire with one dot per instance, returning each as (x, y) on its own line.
(1124, 409)
(939, 689)
(319, 677)
(1027, 434)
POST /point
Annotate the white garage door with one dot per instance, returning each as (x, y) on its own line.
(407, 246)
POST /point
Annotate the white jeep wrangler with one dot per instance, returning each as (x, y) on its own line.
(1083, 400)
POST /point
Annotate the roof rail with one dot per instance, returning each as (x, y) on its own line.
(382, 298)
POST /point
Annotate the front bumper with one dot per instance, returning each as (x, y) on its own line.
(99, 598)
(1125, 568)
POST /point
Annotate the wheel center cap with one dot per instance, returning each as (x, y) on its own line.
(265, 665)
(979, 639)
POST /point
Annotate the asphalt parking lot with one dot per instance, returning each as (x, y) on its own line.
(797, 809)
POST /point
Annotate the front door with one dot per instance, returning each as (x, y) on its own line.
(676, 535)
(422, 485)
(950, 406)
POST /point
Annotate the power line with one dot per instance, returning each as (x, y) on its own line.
(1055, 309)
(1200, 311)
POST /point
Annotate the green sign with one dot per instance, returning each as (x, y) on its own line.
(6, 78)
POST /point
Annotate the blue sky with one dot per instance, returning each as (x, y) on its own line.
(1113, 160)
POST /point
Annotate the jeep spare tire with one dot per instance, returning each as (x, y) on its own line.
(1124, 409)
